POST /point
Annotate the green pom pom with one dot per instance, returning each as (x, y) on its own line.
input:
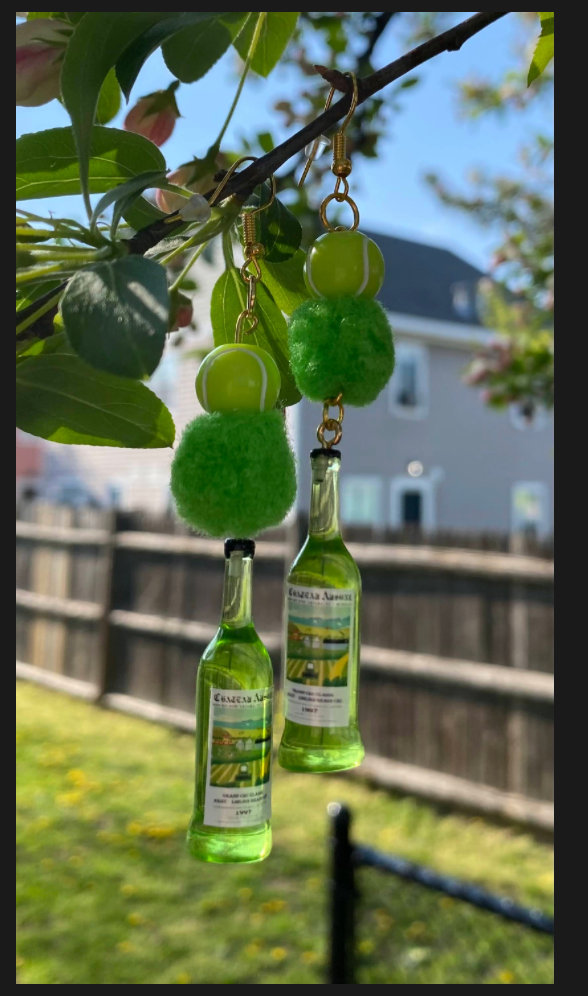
(234, 474)
(341, 346)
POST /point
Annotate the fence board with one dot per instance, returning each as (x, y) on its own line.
(457, 657)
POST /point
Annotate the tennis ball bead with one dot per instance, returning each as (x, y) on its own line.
(344, 264)
(238, 377)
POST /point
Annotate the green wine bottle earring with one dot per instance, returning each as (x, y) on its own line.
(234, 703)
(323, 600)
(341, 349)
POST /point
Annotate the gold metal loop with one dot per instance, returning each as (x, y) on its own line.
(341, 199)
(246, 275)
(245, 316)
(332, 426)
(329, 424)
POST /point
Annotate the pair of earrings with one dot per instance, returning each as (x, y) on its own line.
(234, 474)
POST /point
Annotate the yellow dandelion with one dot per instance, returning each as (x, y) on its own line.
(184, 979)
(160, 833)
(125, 947)
(20, 962)
(367, 947)
(135, 829)
(76, 861)
(310, 957)
(506, 978)
(69, 798)
(416, 931)
(245, 895)
(275, 906)
(127, 891)
(257, 920)
(279, 954)
(77, 777)
(252, 950)
(47, 863)
(446, 903)
(136, 919)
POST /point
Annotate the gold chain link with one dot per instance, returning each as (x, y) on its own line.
(334, 425)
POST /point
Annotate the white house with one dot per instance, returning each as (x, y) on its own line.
(428, 451)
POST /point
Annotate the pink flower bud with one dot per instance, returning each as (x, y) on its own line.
(182, 312)
(154, 116)
(196, 176)
(40, 45)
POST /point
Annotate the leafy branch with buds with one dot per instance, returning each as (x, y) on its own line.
(96, 301)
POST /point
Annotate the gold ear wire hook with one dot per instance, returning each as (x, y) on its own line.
(229, 174)
(340, 136)
(315, 144)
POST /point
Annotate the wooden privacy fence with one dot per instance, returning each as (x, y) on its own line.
(457, 681)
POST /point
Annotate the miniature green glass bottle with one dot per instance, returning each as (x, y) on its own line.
(234, 705)
(323, 601)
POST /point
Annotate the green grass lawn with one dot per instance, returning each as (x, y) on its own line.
(107, 894)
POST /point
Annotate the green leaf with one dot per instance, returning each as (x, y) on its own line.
(229, 298)
(30, 292)
(96, 45)
(60, 15)
(110, 99)
(47, 161)
(266, 141)
(133, 59)
(60, 398)
(280, 233)
(116, 315)
(141, 213)
(285, 282)
(276, 32)
(53, 344)
(190, 54)
(545, 50)
(131, 187)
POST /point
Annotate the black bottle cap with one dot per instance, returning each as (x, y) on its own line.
(326, 453)
(245, 546)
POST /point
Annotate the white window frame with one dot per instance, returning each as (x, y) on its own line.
(543, 493)
(420, 353)
(426, 488)
(372, 480)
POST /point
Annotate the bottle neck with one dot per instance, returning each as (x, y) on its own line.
(324, 503)
(236, 611)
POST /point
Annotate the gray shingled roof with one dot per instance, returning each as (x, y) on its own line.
(428, 282)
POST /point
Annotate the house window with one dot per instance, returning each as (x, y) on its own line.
(413, 503)
(465, 301)
(409, 387)
(530, 509)
(361, 500)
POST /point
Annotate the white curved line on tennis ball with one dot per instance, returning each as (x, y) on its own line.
(242, 351)
(366, 266)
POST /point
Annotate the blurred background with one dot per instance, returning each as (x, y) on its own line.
(447, 503)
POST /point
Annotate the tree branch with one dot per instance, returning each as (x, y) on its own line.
(244, 183)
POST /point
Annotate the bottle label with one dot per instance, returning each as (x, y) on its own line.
(321, 624)
(238, 780)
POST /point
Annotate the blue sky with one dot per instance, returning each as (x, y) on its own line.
(427, 135)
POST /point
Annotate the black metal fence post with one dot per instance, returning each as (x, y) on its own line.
(343, 896)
